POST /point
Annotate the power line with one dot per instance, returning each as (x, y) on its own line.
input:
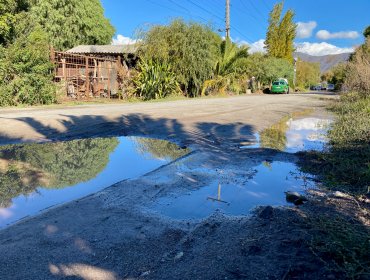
(205, 10)
(220, 18)
(266, 5)
(163, 6)
(248, 11)
(187, 10)
(255, 8)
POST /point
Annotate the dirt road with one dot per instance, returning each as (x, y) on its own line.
(228, 117)
(113, 235)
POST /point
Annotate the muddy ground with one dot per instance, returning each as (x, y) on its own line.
(113, 234)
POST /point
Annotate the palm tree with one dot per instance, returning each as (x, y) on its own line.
(228, 66)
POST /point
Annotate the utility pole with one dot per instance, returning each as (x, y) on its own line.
(227, 19)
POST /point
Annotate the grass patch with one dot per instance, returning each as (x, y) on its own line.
(345, 166)
(342, 242)
(342, 245)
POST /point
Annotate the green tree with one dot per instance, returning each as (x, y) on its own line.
(308, 73)
(230, 65)
(9, 16)
(277, 68)
(266, 69)
(338, 74)
(230, 56)
(256, 67)
(25, 70)
(73, 22)
(189, 48)
(281, 33)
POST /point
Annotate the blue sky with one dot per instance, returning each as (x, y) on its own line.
(326, 26)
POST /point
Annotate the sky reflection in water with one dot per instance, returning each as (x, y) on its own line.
(266, 188)
(269, 183)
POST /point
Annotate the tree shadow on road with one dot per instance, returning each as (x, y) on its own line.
(80, 127)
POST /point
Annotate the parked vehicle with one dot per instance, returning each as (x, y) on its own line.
(330, 87)
(280, 86)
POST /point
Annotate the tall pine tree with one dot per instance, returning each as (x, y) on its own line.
(281, 33)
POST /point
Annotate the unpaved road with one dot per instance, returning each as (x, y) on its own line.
(222, 117)
(114, 235)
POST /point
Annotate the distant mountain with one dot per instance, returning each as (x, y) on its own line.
(326, 61)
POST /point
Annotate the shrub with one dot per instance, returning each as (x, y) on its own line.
(191, 49)
(25, 71)
(155, 80)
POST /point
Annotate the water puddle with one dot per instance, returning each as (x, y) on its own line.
(293, 135)
(34, 177)
(266, 187)
(268, 184)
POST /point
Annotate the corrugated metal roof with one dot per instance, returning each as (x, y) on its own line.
(108, 49)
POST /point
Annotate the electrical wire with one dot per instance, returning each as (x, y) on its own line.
(222, 19)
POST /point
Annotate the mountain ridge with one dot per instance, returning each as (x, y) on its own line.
(326, 61)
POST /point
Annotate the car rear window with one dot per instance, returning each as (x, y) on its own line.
(282, 83)
(275, 83)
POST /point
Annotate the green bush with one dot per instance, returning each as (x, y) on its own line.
(26, 71)
(190, 48)
(155, 80)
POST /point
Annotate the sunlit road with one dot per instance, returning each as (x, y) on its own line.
(150, 118)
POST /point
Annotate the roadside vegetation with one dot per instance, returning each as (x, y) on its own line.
(308, 74)
(340, 239)
(177, 59)
(28, 29)
(346, 164)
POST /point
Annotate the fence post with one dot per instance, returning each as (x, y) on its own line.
(109, 79)
(87, 87)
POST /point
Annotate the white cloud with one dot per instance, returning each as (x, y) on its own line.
(319, 49)
(326, 35)
(122, 40)
(258, 46)
(304, 29)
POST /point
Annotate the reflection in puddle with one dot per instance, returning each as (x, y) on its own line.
(293, 135)
(267, 187)
(34, 177)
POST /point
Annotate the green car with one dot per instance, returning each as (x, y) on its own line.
(280, 86)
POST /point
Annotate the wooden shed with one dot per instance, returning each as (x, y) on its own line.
(93, 70)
